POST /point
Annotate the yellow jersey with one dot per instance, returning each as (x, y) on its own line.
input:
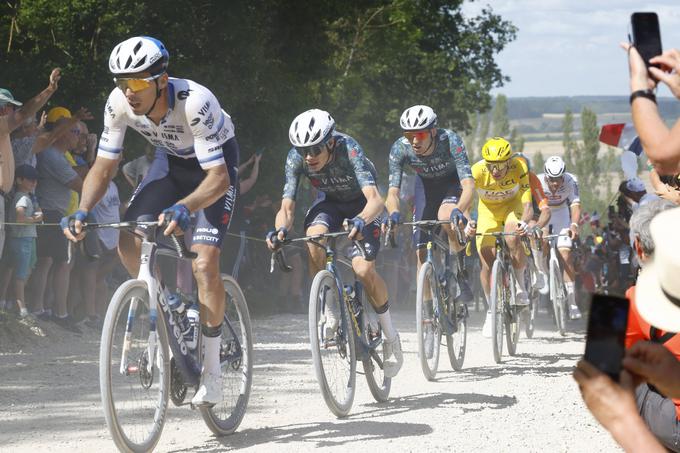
(505, 191)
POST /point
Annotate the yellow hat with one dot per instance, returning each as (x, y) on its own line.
(57, 113)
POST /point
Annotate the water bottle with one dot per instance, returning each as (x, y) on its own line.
(175, 303)
(191, 336)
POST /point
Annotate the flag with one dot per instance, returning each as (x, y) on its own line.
(621, 135)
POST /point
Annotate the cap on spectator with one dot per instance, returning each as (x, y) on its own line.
(657, 293)
(6, 97)
(26, 172)
(57, 113)
(635, 185)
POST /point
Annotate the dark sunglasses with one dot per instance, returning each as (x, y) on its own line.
(313, 150)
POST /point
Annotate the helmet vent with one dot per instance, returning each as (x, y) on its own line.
(141, 62)
(137, 47)
(128, 62)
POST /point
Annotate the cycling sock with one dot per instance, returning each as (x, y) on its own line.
(570, 293)
(211, 351)
(385, 320)
(539, 260)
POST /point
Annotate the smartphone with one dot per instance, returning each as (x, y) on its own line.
(605, 340)
(646, 35)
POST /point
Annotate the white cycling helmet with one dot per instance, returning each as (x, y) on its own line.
(138, 54)
(310, 128)
(418, 117)
(554, 167)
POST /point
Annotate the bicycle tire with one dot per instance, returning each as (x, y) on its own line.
(109, 370)
(224, 418)
(496, 306)
(323, 285)
(511, 318)
(532, 312)
(425, 322)
(378, 384)
(457, 342)
(557, 297)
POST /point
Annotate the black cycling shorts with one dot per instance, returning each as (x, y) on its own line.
(429, 196)
(171, 178)
(332, 213)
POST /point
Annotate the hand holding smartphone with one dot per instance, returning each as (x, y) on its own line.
(605, 340)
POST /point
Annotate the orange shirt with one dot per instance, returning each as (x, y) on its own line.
(639, 330)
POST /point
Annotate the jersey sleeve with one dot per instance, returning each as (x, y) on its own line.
(524, 184)
(574, 196)
(115, 125)
(460, 156)
(396, 164)
(360, 164)
(210, 126)
(293, 172)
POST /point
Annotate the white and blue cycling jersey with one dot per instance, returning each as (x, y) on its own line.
(195, 126)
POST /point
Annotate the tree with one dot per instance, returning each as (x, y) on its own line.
(538, 161)
(484, 128)
(568, 142)
(586, 164)
(469, 138)
(501, 125)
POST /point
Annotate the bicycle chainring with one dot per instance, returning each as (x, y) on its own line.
(178, 390)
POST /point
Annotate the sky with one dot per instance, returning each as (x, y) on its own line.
(571, 47)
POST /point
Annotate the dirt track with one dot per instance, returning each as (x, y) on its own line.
(49, 399)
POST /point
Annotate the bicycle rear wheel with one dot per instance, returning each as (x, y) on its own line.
(236, 358)
(531, 313)
(457, 341)
(334, 358)
(428, 330)
(378, 384)
(496, 305)
(134, 393)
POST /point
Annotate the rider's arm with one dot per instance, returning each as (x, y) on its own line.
(575, 207)
(392, 200)
(544, 217)
(108, 152)
(525, 192)
(396, 159)
(286, 215)
(467, 195)
(374, 204)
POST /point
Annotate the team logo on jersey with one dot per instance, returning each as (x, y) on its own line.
(353, 153)
(182, 95)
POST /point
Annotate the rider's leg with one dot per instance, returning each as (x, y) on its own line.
(457, 252)
(317, 255)
(487, 256)
(376, 291)
(519, 260)
(569, 278)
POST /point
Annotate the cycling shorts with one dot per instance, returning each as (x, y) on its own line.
(172, 178)
(560, 220)
(332, 213)
(428, 200)
(493, 220)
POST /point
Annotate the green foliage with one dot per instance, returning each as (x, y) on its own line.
(501, 125)
(267, 61)
(483, 129)
(538, 161)
(469, 138)
(568, 141)
(585, 161)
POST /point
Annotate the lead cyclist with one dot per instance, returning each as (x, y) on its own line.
(184, 120)
(561, 188)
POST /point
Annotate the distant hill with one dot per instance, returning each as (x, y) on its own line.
(535, 107)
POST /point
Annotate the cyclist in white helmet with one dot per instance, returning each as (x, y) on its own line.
(184, 120)
(444, 189)
(336, 165)
(561, 189)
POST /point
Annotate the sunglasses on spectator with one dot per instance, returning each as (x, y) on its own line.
(134, 85)
(420, 135)
(313, 150)
(497, 167)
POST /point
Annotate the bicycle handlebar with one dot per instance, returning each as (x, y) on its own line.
(279, 257)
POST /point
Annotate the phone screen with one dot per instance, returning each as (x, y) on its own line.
(605, 341)
(646, 35)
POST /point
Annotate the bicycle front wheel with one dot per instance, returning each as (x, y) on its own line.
(134, 370)
(428, 330)
(333, 350)
(496, 306)
(457, 341)
(236, 360)
(558, 296)
(378, 384)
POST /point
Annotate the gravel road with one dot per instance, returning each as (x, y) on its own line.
(49, 399)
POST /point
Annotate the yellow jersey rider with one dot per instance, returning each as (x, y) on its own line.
(502, 184)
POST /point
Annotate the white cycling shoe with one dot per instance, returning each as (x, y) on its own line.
(486, 329)
(574, 312)
(521, 298)
(545, 288)
(332, 321)
(209, 392)
(393, 358)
